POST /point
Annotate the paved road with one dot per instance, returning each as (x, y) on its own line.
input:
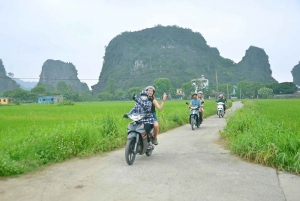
(186, 165)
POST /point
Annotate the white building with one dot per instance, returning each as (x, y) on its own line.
(200, 83)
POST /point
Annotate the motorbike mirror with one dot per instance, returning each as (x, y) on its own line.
(186, 103)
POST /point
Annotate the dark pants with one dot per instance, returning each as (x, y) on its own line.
(148, 128)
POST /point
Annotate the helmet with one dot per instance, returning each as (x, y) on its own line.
(200, 92)
(221, 96)
(194, 94)
(144, 93)
(150, 87)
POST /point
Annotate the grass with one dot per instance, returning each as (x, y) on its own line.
(267, 132)
(33, 135)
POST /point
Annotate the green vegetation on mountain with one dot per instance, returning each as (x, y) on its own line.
(54, 71)
(296, 74)
(139, 58)
(6, 83)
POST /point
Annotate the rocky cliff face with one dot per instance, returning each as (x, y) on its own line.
(54, 71)
(296, 74)
(255, 66)
(138, 58)
(6, 83)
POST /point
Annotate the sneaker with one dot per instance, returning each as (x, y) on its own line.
(150, 146)
(155, 141)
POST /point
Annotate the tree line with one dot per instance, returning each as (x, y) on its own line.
(242, 89)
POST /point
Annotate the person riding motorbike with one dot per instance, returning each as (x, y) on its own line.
(143, 106)
(155, 104)
(223, 100)
(201, 109)
(195, 102)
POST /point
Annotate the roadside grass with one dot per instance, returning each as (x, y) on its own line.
(33, 135)
(267, 132)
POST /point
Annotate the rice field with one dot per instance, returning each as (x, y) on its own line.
(267, 132)
(34, 135)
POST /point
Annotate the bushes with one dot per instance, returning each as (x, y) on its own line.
(260, 133)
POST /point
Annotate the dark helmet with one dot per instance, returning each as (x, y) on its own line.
(150, 87)
(144, 93)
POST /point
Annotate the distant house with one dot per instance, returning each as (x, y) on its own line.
(202, 81)
(50, 99)
(5, 101)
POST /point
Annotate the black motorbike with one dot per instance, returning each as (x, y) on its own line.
(137, 142)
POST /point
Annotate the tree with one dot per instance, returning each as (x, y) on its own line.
(287, 88)
(265, 92)
(111, 87)
(188, 88)
(133, 90)
(38, 90)
(162, 85)
(11, 75)
(105, 96)
(62, 87)
(119, 94)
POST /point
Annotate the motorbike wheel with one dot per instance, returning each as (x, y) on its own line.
(148, 153)
(220, 114)
(193, 121)
(129, 151)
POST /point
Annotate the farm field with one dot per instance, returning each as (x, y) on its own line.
(267, 132)
(33, 135)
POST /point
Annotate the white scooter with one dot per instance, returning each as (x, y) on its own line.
(220, 108)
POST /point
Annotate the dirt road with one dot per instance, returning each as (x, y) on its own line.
(186, 165)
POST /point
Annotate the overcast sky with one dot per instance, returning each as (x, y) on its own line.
(76, 31)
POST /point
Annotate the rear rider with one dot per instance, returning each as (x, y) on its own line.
(222, 99)
(155, 104)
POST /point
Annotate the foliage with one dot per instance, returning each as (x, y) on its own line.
(111, 87)
(163, 85)
(188, 88)
(62, 87)
(265, 92)
(65, 102)
(262, 133)
(283, 88)
(39, 90)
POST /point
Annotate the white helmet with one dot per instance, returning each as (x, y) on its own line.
(200, 92)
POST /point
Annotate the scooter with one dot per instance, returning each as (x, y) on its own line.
(195, 117)
(220, 108)
(137, 142)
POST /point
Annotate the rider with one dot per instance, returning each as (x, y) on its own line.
(223, 100)
(195, 102)
(200, 96)
(151, 92)
(143, 106)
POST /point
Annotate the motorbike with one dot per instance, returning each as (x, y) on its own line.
(137, 142)
(195, 117)
(220, 108)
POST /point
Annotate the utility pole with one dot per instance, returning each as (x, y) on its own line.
(217, 81)
(240, 93)
(227, 92)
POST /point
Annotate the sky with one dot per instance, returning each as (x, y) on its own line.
(77, 31)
